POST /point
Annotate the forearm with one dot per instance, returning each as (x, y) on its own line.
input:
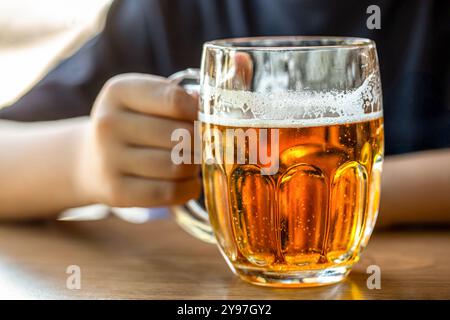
(416, 188)
(38, 167)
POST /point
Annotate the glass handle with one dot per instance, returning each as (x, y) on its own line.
(191, 216)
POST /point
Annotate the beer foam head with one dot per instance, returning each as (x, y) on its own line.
(291, 108)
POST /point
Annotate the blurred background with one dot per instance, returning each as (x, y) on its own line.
(36, 35)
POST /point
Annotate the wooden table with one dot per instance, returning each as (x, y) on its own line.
(157, 260)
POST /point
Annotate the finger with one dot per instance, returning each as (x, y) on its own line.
(142, 192)
(142, 130)
(244, 68)
(154, 95)
(155, 164)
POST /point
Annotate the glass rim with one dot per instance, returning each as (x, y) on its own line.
(238, 44)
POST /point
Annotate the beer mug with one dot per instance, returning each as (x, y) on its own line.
(291, 152)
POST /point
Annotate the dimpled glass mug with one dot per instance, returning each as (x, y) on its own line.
(313, 106)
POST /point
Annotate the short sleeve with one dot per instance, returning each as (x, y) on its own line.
(70, 88)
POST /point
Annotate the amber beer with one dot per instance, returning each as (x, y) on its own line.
(317, 211)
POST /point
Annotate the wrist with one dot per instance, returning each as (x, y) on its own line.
(81, 173)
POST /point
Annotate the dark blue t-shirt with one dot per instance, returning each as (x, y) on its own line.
(162, 37)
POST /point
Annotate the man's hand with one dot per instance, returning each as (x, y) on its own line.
(125, 157)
